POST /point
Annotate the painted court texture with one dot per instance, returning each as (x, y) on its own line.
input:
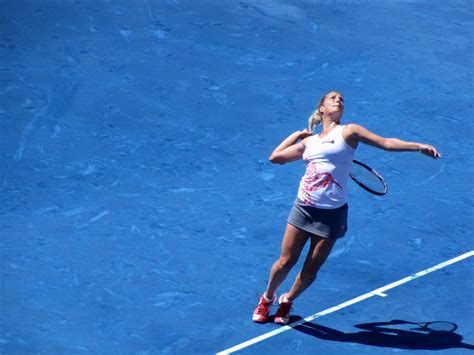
(139, 213)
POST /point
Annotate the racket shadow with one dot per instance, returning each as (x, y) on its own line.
(390, 335)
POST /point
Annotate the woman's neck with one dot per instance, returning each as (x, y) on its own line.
(328, 127)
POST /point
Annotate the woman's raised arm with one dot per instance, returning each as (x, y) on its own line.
(355, 133)
(290, 149)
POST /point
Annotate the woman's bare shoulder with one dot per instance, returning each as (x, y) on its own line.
(307, 139)
(352, 127)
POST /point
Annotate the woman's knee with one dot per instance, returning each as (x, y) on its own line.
(308, 276)
(286, 262)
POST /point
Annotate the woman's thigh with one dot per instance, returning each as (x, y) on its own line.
(294, 240)
(318, 252)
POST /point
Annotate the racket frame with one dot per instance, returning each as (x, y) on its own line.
(380, 177)
(427, 325)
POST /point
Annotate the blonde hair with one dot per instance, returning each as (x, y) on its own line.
(316, 117)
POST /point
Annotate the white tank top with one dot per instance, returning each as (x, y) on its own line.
(328, 165)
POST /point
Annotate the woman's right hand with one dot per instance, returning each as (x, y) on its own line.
(304, 133)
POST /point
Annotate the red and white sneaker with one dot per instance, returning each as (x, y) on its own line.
(260, 315)
(282, 316)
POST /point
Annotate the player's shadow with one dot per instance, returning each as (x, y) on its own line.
(390, 335)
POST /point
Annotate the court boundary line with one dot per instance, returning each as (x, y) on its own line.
(377, 292)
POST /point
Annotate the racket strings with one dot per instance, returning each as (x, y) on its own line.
(368, 179)
(441, 326)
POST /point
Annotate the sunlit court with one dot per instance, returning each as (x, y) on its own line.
(160, 170)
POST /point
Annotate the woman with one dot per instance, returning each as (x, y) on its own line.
(320, 210)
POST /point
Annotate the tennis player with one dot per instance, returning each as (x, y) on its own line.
(320, 210)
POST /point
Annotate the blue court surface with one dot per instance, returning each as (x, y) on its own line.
(139, 213)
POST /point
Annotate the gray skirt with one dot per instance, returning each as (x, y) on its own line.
(326, 223)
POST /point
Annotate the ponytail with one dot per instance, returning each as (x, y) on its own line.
(316, 117)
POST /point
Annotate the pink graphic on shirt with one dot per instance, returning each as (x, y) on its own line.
(314, 180)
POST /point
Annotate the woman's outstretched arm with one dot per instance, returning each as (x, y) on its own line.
(355, 133)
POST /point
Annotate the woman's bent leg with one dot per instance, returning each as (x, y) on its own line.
(317, 255)
(294, 240)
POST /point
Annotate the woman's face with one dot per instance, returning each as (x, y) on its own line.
(333, 104)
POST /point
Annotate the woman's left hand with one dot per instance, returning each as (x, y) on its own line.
(430, 151)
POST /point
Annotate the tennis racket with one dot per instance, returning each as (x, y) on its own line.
(368, 178)
(436, 326)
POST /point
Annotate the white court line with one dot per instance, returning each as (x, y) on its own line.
(378, 292)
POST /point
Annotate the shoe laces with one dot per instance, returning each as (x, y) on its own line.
(284, 309)
(263, 307)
